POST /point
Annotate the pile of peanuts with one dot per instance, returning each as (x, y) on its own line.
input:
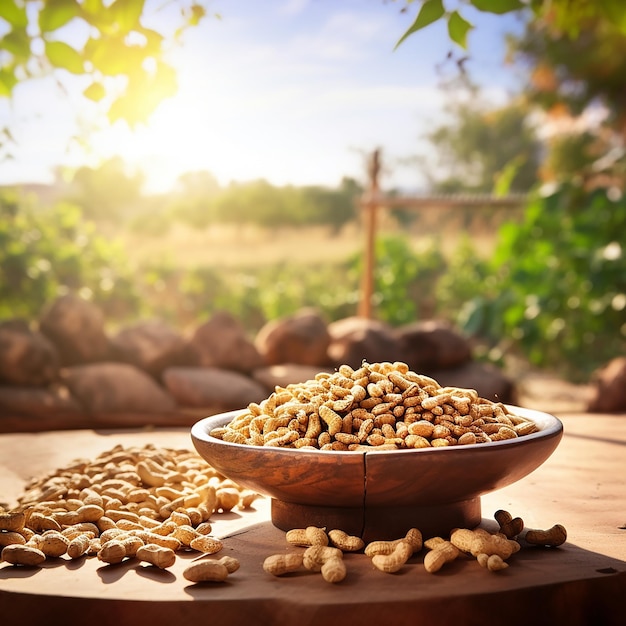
(382, 405)
(144, 502)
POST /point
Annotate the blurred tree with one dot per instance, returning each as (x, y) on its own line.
(481, 146)
(118, 47)
(44, 254)
(193, 199)
(106, 192)
(575, 54)
(328, 206)
(579, 82)
(261, 203)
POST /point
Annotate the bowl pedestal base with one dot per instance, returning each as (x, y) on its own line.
(379, 523)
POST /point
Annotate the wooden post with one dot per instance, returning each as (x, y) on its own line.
(370, 207)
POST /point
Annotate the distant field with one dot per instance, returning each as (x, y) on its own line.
(230, 246)
(241, 247)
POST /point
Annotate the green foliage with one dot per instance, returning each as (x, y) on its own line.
(117, 45)
(194, 199)
(263, 204)
(565, 16)
(46, 253)
(405, 279)
(554, 291)
(255, 295)
(481, 146)
(575, 73)
(106, 192)
(556, 287)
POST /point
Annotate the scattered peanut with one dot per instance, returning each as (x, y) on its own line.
(391, 563)
(413, 537)
(315, 556)
(309, 536)
(280, 564)
(493, 562)
(112, 552)
(206, 571)
(12, 521)
(18, 554)
(79, 546)
(230, 562)
(9, 537)
(510, 526)
(206, 544)
(333, 570)
(51, 543)
(441, 553)
(156, 555)
(478, 541)
(345, 542)
(550, 538)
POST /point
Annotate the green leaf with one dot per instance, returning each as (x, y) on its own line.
(458, 27)
(431, 11)
(498, 6)
(17, 43)
(505, 177)
(615, 11)
(127, 14)
(95, 91)
(197, 13)
(112, 56)
(14, 15)
(55, 14)
(7, 81)
(63, 56)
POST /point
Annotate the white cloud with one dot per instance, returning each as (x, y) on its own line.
(293, 7)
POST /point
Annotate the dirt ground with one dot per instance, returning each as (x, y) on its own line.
(544, 392)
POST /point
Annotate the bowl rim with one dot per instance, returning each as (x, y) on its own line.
(551, 426)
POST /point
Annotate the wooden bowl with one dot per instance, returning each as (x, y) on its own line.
(379, 494)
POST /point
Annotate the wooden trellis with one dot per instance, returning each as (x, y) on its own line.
(373, 200)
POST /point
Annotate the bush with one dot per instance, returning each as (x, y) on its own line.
(49, 252)
(556, 286)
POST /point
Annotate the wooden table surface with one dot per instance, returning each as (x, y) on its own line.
(582, 486)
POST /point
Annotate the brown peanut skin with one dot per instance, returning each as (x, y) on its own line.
(550, 538)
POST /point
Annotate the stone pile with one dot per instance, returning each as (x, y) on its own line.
(66, 370)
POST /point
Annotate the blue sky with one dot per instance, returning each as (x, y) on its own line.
(293, 91)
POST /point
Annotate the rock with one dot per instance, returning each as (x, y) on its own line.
(433, 344)
(38, 401)
(300, 339)
(116, 387)
(152, 346)
(286, 374)
(222, 343)
(486, 379)
(76, 327)
(608, 393)
(355, 339)
(27, 357)
(217, 389)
